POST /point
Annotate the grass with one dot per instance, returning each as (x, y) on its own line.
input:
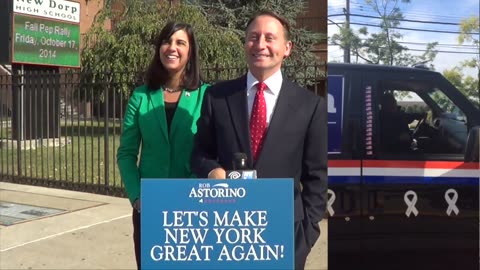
(5, 130)
(83, 159)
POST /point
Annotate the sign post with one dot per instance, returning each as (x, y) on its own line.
(212, 224)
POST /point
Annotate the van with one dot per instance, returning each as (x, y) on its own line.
(403, 170)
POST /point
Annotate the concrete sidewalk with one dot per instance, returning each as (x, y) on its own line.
(95, 232)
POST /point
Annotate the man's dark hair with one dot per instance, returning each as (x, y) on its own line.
(157, 75)
(282, 20)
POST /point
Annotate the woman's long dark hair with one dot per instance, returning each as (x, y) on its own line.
(157, 75)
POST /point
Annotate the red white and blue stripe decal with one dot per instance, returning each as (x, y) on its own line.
(395, 171)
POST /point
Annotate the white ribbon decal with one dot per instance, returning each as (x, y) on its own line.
(410, 203)
(330, 201)
(451, 200)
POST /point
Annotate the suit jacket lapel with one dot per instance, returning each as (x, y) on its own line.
(280, 119)
(237, 104)
(158, 108)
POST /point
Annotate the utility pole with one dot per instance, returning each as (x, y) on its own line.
(346, 51)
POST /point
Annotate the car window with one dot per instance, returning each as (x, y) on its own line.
(418, 119)
(446, 105)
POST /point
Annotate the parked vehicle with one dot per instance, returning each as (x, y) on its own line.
(403, 180)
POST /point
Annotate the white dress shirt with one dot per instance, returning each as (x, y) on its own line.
(274, 83)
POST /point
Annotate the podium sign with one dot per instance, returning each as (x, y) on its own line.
(217, 224)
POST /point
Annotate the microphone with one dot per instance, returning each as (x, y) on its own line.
(240, 169)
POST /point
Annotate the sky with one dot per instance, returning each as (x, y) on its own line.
(422, 10)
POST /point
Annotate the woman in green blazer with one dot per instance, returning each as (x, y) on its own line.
(160, 119)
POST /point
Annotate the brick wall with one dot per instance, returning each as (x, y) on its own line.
(315, 19)
(88, 10)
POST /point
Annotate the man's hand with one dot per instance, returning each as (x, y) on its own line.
(218, 173)
(136, 205)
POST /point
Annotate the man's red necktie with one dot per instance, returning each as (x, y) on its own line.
(258, 120)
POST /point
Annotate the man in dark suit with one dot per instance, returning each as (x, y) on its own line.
(281, 127)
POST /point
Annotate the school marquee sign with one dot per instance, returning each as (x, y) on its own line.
(46, 32)
(52, 9)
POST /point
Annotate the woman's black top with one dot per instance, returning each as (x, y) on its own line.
(170, 108)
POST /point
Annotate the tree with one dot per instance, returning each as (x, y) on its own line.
(467, 28)
(233, 15)
(383, 47)
(117, 58)
(468, 85)
(348, 39)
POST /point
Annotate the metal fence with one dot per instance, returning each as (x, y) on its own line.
(61, 128)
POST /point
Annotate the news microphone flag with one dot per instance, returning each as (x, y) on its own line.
(240, 170)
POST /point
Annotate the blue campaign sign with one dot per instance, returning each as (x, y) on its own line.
(335, 113)
(215, 224)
